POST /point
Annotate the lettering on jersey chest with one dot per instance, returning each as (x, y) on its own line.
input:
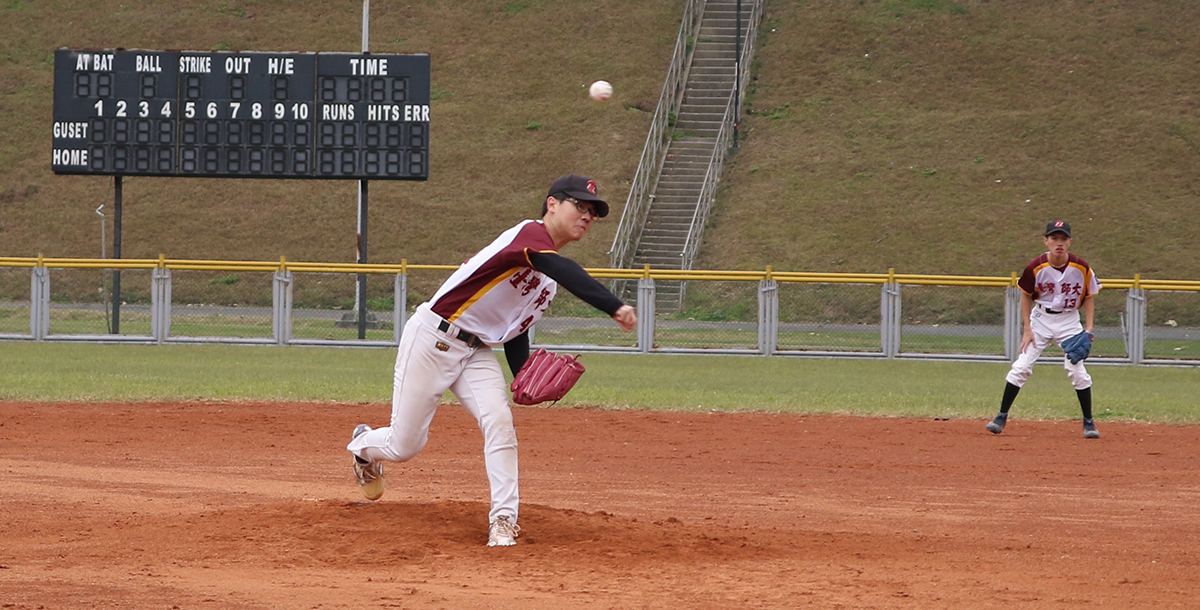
(1067, 288)
(526, 282)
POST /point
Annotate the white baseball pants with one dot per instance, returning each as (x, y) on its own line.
(428, 363)
(1050, 327)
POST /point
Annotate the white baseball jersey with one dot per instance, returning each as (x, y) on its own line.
(497, 294)
(1058, 294)
(1059, 289)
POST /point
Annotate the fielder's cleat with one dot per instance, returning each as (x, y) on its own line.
(369, 474)
(1089, 429)
(503, 532)
(996, 426)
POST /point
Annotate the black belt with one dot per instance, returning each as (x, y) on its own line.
(464, 336)
(1050, 310)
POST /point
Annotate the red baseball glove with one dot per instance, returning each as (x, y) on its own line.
(545, 376)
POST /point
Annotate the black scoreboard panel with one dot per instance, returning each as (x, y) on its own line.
(369, 121)
(246, 114)
(114, 112)
(241, 114)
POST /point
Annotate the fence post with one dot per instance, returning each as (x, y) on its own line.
(889, 318)
(399, 306)
(768, 316)
(39, 302)
(645, 307)
(281, 307)
(1012, 323)
(1135, 320)
(160, 304)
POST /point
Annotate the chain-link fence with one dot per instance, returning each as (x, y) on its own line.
(571, 322)
(862, 315)
(14, 302)
(1172, 325)
(81, 302)
(715, 315)
(1110, 340)
(221, 304)
(952, 320)
(325, 307)
(824, 317)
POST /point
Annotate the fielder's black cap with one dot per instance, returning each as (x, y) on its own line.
(581, 188)
(1058, 226)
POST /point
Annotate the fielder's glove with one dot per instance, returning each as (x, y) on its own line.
(545, 376)
(1078, 347)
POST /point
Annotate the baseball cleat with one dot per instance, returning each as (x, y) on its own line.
(503, 532)
(1089, 429)
(996, 426)
(368, 474)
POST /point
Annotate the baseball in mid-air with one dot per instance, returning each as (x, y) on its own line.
(600, 90)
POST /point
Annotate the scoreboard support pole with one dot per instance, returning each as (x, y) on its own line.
(116, 292)
(362, 259)
(361, 296)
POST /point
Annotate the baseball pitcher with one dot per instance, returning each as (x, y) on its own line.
(491, 300)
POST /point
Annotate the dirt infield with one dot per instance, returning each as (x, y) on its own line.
(252, 505)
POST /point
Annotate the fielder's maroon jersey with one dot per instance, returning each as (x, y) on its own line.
(497, 294)
(1059, 289)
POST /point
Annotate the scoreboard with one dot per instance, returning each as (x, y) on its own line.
(241, 114)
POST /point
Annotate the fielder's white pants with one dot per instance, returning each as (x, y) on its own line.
(1050, 327)
(424, 371)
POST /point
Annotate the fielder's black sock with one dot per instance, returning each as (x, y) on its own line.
(1085, 401)
(1010, 395)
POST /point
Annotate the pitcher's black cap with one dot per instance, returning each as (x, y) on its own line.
(581, 188)
(1058, 226)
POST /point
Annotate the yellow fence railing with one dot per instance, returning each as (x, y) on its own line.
(604, 273)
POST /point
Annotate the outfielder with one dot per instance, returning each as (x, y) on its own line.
(492, 299)
(1055, 286)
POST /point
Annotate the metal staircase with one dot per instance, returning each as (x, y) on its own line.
(662, 223)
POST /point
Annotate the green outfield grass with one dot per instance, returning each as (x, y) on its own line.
(71, 372)
(79, 322)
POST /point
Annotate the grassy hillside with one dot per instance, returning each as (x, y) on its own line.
(933, 136)
(939, 136)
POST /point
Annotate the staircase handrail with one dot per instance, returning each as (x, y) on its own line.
(657, 140)
(712, 176)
